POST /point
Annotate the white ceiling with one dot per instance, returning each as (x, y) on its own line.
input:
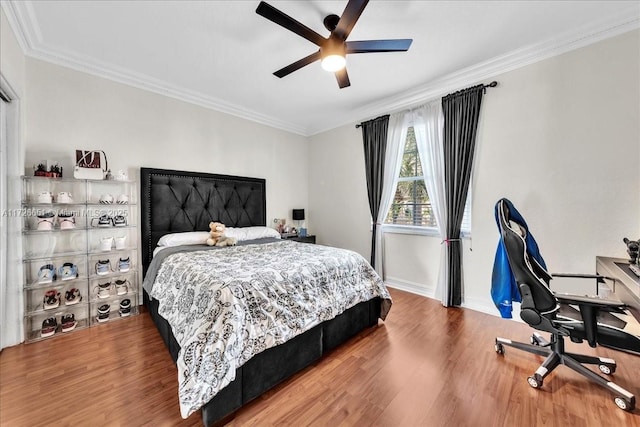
(221, 54)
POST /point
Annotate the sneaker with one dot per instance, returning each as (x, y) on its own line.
(68, 271)
(106, 199)
(72, 296)
(103, 313)
(122, 287)
(45, 197)
(49, 327)
(103, 221)
(103, 290)
(120, 242)
(123, 199)
(51, 300)
(64, 197)
(47, 273)
(119, 221)
(124, 264)
(68, 322)
(66, 220)
(103, 267)
(125, 307)
(45, 221)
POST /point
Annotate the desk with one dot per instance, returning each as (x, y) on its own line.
(625, 285)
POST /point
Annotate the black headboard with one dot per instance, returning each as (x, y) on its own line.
(175, 201)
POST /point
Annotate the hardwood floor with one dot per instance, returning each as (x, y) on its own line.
(425, 366)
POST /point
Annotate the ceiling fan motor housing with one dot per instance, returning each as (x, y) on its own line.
(333, 46)
(331, 22)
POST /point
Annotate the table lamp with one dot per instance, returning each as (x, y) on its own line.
(298, 215)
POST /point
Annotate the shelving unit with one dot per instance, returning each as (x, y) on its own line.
(80, 246)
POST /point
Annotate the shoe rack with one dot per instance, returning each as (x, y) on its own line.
(86, 230)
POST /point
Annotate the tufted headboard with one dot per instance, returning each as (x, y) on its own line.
(175, 201)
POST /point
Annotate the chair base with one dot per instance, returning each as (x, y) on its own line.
(556, 356)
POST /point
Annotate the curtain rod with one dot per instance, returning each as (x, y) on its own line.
(492, 84)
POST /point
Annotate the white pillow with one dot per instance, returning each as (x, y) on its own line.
(186, 238)
(251, 233)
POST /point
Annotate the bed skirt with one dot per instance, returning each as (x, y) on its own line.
(274, 365)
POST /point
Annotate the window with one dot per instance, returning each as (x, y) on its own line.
(411, 205)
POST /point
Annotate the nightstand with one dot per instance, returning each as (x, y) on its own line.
(306, 239)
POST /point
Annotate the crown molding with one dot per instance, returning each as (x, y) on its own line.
(620, 24)
(22, 19)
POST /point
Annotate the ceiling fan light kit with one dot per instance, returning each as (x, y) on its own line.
(333, 49)
(333, 54)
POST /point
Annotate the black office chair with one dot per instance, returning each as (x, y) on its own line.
(593, 321)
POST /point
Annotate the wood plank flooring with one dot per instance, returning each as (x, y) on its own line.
(425, 366)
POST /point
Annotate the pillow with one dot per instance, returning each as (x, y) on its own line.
(251, 233)
(186, 238)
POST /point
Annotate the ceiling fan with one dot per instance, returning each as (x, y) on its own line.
(333, 49)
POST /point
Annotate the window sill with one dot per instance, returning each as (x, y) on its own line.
(417, 231)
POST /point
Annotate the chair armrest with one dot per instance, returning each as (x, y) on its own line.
(598, 302)
(583, 276)
(589, 308)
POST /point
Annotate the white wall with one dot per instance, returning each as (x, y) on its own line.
(69, 110)
(560, 138)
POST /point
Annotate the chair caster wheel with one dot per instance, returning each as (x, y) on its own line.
(624, 404)
(499, 348)
(607, 369)
(534, 382)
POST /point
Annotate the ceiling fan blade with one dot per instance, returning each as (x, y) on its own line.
(349, 18)
(284, 20)
(297, 65)
(343, 78)
(367, 46)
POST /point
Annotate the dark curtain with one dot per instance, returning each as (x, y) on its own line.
(461, 112)
(374, 137)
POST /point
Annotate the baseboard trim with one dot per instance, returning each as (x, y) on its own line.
(412, 287)
(476, 304)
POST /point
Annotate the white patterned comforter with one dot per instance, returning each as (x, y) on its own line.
(226, 305)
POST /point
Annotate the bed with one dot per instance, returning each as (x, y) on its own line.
(178, 202)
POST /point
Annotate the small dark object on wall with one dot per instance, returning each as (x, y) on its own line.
(633, 247)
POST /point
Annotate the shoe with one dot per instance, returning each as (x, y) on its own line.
(124, 264)
(66, 220)
(103, 290)
(103, 313)
(123, 199)
(125, 307)
(72, 296)
(68, 322)
(103, 267)
(68, 271)
(47, 273)
(106, 199)
(64, 197)
(45, 221)
(119, 221)
(122, 287)
(51, 300)
(45, 197)
(103, 221)
(49, 327)
(120, 242)
(106, 243)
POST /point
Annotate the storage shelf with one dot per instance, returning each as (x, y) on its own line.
(56, 283)
(79, 246)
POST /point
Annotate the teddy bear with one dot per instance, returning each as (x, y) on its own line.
(217, 236)
(633, 248)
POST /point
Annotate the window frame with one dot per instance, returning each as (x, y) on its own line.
(425, 230)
